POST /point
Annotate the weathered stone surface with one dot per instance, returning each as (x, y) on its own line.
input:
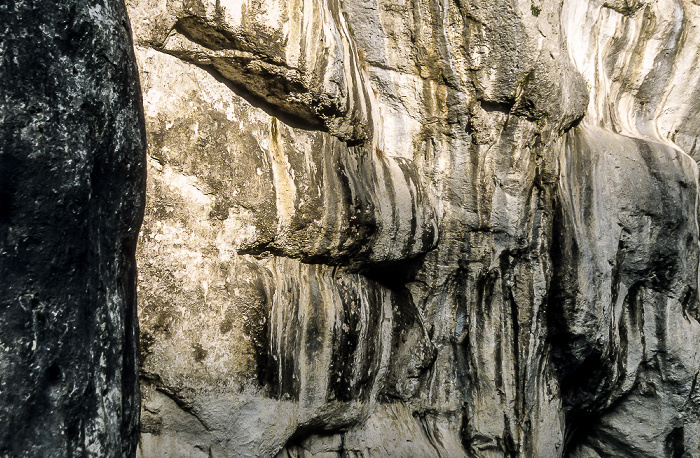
(639, 59)
(296, 58)
(625, 311)
(624, 315)
(72, 188)
(420, 228)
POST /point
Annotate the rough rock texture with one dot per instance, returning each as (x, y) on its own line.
(625, 309)
(72, 191)
(423, 228)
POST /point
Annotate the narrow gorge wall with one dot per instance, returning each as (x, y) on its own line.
(420, 228)
(72, 193)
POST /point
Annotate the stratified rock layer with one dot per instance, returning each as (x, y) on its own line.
(72, 188)
(422, 228)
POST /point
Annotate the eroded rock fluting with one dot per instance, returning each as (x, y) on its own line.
(427, 228)
(72, 191)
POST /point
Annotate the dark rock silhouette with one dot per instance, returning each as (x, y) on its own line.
(72, 182)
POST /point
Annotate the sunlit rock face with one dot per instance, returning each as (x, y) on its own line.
(419, 228)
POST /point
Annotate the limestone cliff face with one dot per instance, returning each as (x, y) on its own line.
(424, 228)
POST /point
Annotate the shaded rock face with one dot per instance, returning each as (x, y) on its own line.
(72, 191)
(419, 228)
(625, 308)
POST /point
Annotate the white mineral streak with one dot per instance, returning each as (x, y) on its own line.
(433, 228)
(639, 64)
(282, 180)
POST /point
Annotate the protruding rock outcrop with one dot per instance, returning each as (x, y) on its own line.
(72, 188)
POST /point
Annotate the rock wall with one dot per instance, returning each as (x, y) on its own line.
(72, 193)
(424, 228)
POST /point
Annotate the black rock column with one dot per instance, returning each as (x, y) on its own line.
(72, 182)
